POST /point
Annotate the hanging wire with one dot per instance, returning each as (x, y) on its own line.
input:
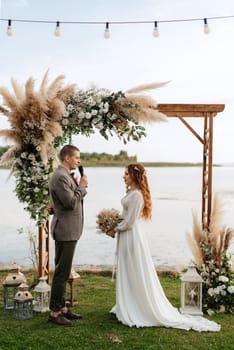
(155, 23)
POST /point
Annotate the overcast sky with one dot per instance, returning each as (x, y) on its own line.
(200, 67)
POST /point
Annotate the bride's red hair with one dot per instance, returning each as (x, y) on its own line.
(138, 175)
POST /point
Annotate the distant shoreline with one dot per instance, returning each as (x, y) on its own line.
(102, 164)
(95, 268)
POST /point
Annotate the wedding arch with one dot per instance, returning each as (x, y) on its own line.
(42, 120)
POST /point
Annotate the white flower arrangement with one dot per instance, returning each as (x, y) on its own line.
(218, 286)
(213, 262)
(41, 121)
(98, 109)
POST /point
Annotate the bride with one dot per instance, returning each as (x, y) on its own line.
(140, 299)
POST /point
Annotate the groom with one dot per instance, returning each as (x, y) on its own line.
(67, 195)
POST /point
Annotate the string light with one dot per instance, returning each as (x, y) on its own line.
(57, 29)
(155, 31)
(9, 29)
(107, 31)
(206, 28)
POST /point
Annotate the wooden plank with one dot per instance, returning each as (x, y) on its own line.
(189, 110)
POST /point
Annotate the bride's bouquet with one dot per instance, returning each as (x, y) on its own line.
(107, 220)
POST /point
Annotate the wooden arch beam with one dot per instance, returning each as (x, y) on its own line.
(207, 112)
(180, 111)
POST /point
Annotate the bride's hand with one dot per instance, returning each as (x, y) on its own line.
(111, 233)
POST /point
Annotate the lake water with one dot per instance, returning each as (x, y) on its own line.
(175, 193)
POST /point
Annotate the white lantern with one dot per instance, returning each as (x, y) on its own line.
(23, 303)
(191, 292)
(10, 285)
(42, 295)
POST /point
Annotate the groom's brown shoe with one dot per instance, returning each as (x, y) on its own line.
(60, 320)
(71, 315)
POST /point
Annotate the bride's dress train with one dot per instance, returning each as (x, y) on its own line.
(140, 299)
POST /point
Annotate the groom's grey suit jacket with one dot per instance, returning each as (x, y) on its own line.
(67, 201)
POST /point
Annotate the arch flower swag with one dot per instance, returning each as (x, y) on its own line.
(42, 120)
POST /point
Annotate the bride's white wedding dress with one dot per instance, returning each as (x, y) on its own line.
(140, 299)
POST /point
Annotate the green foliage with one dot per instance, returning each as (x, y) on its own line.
(3, 150)
(107, 159)
(32, 177)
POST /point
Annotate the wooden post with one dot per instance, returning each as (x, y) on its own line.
(207, 170)
(207, 112)
(43, 251)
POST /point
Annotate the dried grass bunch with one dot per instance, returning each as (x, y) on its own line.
(217, 237)
(34, 115)
(148, 108)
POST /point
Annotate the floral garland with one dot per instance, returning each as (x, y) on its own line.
(96, 109)
(41, 121)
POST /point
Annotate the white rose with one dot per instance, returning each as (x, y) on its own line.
(230, 289)
(65, 114)
(99, 125)
(31, 156)
(70, 107)
(94, 112)
(211, 291)
(88, 115)
(81, 115)
(24, 155)
(222, 309)
(223, 279)
(210, 312)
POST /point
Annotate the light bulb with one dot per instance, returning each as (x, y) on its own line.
(57, 30)
(206, 28)
(155, 31)
(107, 32)
(9, 31)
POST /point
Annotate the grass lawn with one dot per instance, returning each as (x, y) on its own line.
(100, 330)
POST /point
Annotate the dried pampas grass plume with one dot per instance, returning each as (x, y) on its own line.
(146, 87)
(216, 221)
(217, 236)
(148, 109)
(147, 112)
(195, 249)
(34, 113)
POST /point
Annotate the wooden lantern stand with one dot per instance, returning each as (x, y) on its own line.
(180, 111)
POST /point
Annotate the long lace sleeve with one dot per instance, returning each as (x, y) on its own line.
(132, 212)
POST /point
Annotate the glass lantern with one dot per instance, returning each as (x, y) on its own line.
(72, 289)
(41, 295)
(191, 292)
(23, 303)
(10, 284)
